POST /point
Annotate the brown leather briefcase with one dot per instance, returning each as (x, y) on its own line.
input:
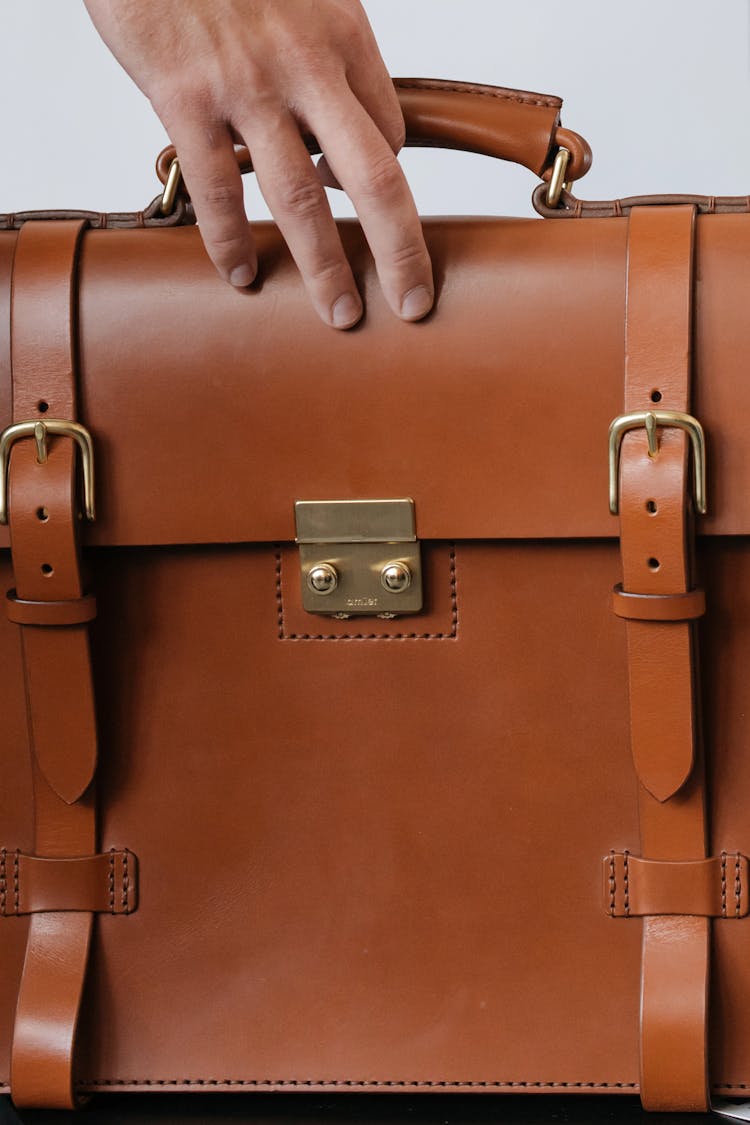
(410, 773)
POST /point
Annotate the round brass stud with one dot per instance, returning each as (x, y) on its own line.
(395, 577)
(323, 579)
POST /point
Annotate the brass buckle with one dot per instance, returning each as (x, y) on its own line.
(649, 420)
(39, 431)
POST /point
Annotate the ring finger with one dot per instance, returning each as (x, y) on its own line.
(297, 201)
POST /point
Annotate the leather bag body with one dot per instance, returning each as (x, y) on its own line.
(366, 853)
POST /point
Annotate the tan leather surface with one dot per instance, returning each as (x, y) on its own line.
(674, 1028)
(375, 813)
(299, 881)
(504, 123)
(656, 545)
(373, 845)
(514, 125)
(724, 648)
(49, 998)
(715, 887)
(448, 386)
(98, 883)
(658, 339)
(510, 124)
(58, 692)
(43, 523)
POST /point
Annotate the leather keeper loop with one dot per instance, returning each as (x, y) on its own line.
(75, 611)
(711, 888)
(658, 607)
(102, 884)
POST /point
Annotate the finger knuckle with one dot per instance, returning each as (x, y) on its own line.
(328, 273)
(228, 244)
(227, 235)
(177, 104)
(352, 26)
(410, 256)
(353, 39)
(220, 195)
(384, 180)
(390, 112)
(303, 197)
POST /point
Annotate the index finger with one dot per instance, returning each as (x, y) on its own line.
(213, 179)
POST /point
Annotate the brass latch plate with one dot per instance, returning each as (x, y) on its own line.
(359, 557)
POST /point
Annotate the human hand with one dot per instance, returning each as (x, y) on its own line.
(263, 73)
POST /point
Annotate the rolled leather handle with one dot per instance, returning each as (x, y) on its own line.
(511, 125)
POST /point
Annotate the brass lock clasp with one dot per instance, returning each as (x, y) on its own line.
(359, 557)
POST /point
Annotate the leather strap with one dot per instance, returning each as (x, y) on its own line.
(75, 611)
(43, 518)
(101, 884)
(43, 504)
(654, 493)
(655, 538)
(181, 215)
(658, 607)
(572, 208)
(715, 887)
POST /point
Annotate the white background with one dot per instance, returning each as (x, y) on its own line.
(661, 89)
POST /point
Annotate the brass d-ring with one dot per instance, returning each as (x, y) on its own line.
(174, 176)
(557, 179)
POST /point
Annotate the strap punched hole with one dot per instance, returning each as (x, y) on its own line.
(656, 396)
(651, 507)
(653, 564)
(42, 515)
(47, 570)
(42, 407)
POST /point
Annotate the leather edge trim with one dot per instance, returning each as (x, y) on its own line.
(385, 1085)
(481, 89)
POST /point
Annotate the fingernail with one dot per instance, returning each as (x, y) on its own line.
(241, 276)
(416, 303)
(346, 311)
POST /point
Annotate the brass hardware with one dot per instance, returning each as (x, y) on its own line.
(395, 577)
(359, 542)
(40, 432)
(174, 176)
(40, 437)
(557, 179)
(650, 420)
(323, 579)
